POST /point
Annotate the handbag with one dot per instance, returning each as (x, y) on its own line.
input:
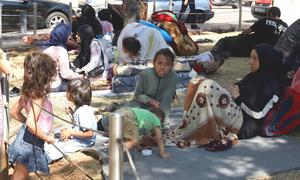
(97, 71)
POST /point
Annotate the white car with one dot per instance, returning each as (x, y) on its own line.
(203, 8)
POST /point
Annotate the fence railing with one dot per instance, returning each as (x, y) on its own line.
(23, 18)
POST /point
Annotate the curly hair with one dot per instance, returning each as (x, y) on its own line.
(132, 45)
(39, 70)
(80, 91)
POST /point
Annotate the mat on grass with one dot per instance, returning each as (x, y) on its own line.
(254, 157)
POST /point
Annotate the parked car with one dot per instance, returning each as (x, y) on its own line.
(233, 3)
(260, 8)
(49, 13)
(203, 9)
(101, 4)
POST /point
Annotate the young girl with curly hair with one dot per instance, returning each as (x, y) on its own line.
(26, 153)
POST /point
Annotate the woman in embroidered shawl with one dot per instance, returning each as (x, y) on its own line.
(211, 109)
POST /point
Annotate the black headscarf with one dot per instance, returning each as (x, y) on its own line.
(270, 65)
(259, 87)
(86, 35)
(88, 16)
(270, 60)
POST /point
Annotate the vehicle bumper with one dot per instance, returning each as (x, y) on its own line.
(260, 11)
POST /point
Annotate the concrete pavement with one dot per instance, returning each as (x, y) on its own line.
(249, 159)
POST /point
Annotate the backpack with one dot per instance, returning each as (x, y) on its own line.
(107, 48)
(107, 56)
(182, 44)
(164, 15)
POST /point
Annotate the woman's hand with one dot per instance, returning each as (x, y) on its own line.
(73, 52)
(7, 67)
(234, 91)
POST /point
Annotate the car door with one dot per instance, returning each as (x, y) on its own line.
(165, 4)
(202, 6)
(157, 5)
(43, 7)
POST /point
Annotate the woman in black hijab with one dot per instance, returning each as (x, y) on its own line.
(84, 36)
(258, 91)
(211, 111)
(88, 16)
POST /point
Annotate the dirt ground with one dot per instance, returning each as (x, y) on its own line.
(232, 70)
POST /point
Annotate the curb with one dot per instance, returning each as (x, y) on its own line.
(17, 35)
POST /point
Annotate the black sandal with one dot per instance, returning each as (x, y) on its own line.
(218, 145)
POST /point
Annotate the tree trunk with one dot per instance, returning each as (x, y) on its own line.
(131, 11)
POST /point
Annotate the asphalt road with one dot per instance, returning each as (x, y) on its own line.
(224, 16)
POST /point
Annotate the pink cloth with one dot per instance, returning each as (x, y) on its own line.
(61, 57)
(45, 121)
(107, 27)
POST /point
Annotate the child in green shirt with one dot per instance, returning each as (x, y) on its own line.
(156, 87)
(138, 122)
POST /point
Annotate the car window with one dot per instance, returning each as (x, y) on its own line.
(165, 4)
(176, 5)
(202, 4)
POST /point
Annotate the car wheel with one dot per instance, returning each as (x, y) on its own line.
(54, 18)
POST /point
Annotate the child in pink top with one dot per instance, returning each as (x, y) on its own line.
(27, 153)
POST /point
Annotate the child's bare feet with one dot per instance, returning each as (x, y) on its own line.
(165, 155)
